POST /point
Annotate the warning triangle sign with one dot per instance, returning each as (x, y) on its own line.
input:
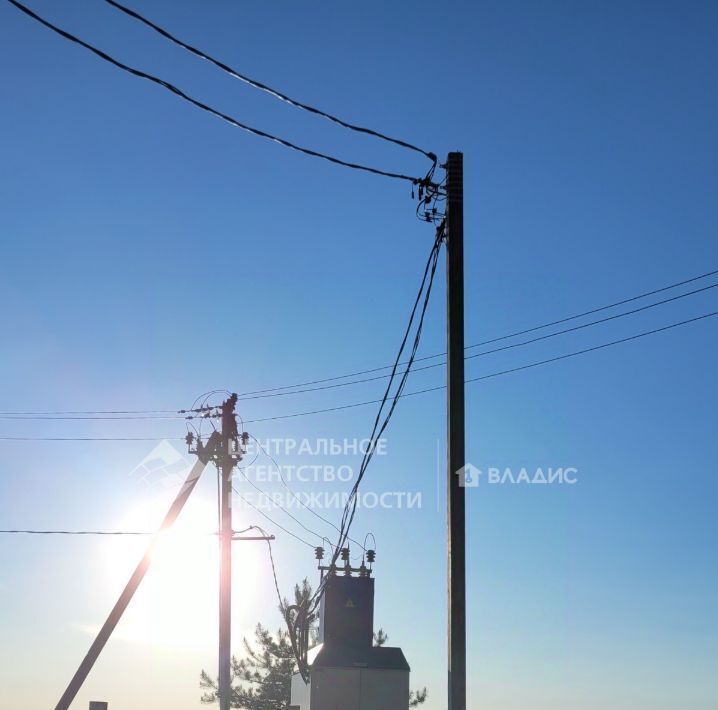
(350, 604)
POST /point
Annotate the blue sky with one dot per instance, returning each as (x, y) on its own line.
(151, 253)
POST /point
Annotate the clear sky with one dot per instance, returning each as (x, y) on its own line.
(151, 253)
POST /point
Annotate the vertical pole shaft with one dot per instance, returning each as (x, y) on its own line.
(226, 465)
(456, 455)
(225, 586)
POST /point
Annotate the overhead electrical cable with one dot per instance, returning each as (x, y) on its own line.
(497, 339)
(493, 350)
(298, 617)
(209, 109)
(282, 508)
(263, 87)
(133, 533)
(97, 411)
(271, 520)
(355, 405)
(292, 493)
(76, 532)
(91, 438)
(87, 417)
(247, 395)
(271, 560)
(492, 374)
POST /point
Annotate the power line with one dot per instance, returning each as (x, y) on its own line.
(382, 419)
(91, 438)
(271, 560)
(492, 351)
(248, 395)
(271, 520)
(67, 417)
(293, 494)
(592, 349)
(205, 107)
(98, 532)
(488, 376)
(497, 339)
(263, 87)
(282, 508)
(99, 411)
(297, 624)
(76, 532)
(110, 414)
(378, 401)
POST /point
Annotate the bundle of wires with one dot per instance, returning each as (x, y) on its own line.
(299, 618)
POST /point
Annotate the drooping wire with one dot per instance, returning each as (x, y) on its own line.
(299, 617)
(282, 508)
(294, 495)
(271, 520)
(209, 109)
(263, 87)
(271, 560)
(380, 426)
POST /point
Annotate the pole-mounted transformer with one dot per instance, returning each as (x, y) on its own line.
(346, 669)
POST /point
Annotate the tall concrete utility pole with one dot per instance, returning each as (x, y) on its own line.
(227, 459)
(456, 444)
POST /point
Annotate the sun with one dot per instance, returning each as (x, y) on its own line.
(177, 602)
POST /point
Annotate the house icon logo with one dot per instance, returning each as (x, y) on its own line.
(469, 476)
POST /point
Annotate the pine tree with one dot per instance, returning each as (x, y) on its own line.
(262, 678)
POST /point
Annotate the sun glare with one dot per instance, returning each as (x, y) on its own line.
(176, 604)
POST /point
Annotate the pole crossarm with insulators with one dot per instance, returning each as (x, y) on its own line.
(456, 454)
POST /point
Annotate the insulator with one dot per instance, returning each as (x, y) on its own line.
(189, 439)
(245, 438)
(345, 554)
(319, 553)
(370, 556)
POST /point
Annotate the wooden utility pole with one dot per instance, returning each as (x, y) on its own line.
(456, 444)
